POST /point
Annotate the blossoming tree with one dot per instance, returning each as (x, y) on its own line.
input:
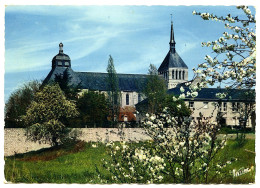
(234, 64)
(185, 151)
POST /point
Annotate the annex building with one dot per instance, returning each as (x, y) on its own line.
(175, 73)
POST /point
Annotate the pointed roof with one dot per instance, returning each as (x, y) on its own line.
(172, 59)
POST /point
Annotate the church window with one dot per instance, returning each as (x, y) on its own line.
(139, 97)
(180, 75)
(67, 64)
(59, 63)
(176, 75)
(183, 75)
(127, 99)
(173, 74)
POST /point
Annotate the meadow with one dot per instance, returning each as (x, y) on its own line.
(80, 162)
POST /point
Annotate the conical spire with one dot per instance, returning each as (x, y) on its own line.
(172, 41)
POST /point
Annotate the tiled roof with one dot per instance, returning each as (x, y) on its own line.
(172, 60)
(98, 81)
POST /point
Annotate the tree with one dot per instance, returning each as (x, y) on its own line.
(234, 64)
(113, 90)
(70, 91)
(155, 90)
(46, 115)
(93, 108)
(18, 103)
(181, 153)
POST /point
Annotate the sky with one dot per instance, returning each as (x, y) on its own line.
(135, 36)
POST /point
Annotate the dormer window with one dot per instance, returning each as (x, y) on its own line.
(59, 63)
(67, 64)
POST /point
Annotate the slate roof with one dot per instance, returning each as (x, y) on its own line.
(209, 94)
(172, 60)
(98, 81)
(61, 56)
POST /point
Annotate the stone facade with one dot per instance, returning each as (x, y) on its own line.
(230, 114)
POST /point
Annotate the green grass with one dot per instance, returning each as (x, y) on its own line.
(77, 163)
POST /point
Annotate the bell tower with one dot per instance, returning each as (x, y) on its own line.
(173, 68)
(61, 59)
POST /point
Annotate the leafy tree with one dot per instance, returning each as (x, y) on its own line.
(113, 90)
(93, 108)
(70, 91)
(46, 115)
(155, 90)
(18, 103)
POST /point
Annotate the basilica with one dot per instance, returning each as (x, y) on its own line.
(175, 73)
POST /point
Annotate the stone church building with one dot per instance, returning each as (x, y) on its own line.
(175, 72)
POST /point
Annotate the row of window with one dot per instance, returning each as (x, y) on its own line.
(66, 64)
(177, 75)
(222, 107)
(127, 98)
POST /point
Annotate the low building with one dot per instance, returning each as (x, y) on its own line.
(231, 108)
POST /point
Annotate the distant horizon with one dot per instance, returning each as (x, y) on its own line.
(135, 36)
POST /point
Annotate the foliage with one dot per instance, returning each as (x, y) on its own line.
(234, 64)
(69, 164)
(155, 90)
(93, 108)
(18, 103)
(113, 90)
(46, 115)
(235, 61)
(185, 151)
(176, 108)
(64, 81)
(134, 164)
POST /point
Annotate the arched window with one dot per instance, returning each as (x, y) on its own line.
(183, 75)
(127, 99)
(173, 74)
(180, 75)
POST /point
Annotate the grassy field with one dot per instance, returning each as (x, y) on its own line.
(77, 163)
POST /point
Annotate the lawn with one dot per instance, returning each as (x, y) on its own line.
(77, 163)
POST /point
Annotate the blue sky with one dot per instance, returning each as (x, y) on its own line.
(135, 36)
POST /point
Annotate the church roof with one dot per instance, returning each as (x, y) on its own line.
(98, 81)
(172, 60)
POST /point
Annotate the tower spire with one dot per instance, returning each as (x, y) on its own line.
(172, 41)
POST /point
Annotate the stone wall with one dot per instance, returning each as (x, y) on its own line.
(15, 140)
